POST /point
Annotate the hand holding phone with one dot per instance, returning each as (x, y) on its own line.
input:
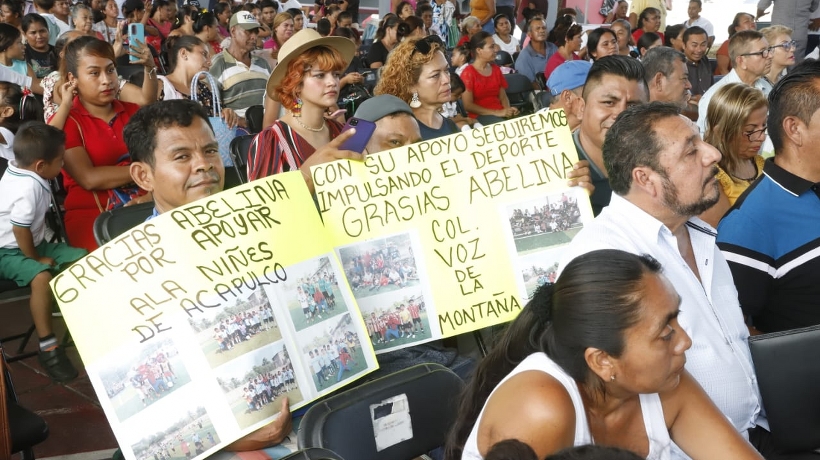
(136, 34)
(359, 140)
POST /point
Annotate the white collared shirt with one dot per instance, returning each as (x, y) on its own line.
(710, 312)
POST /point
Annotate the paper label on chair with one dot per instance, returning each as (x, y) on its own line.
(391, 422)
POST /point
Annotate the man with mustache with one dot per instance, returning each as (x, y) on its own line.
(663, 176)
(175, 155)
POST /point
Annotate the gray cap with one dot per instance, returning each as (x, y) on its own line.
(376, 108)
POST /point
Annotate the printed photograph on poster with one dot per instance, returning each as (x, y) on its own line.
(137, 376)
(537, 269)
(180, 435)
(396, 320)
(331, 350)
(312, 292)
(536, 224)
(235, 327)
(255, 383)
(380, 266)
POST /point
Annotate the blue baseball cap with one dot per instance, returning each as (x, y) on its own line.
(569, 75)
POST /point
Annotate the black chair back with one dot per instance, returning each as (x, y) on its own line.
(114, 223)
(503, 58)
(344, 422)
(519, 91)
(240, 149)
(255, 116)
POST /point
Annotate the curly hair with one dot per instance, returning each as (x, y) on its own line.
(323, 58)
(403, 69)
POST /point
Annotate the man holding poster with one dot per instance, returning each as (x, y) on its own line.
(176, 156)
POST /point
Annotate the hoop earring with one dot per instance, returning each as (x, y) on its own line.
(297, 108)
(415, 102)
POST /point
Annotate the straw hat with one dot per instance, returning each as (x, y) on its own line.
(300, 42)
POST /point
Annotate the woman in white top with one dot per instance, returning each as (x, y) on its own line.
(503, 35)
(188, 55)
(596, 358)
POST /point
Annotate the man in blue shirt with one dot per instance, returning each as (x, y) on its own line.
(533, 58)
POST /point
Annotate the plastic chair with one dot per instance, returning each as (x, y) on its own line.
(504, 59)
(519, 91)
(240, 148)
(344, 424)
(255, 115)
(26, 429)
(313, 453)
(114, 223)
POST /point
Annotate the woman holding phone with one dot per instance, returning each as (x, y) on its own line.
(306, 83)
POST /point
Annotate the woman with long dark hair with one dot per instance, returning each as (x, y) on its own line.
(484, 96)
(598, 357)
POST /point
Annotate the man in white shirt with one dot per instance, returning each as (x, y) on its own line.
(751, 59)
(695, 19)
(662, 177)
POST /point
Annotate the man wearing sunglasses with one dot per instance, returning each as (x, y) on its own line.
(751, 58)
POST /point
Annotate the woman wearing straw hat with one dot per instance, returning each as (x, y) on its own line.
(306, 83)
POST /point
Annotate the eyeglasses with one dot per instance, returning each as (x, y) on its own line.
(758, 134)
(764, 53)
(787, 46)
(425, 45)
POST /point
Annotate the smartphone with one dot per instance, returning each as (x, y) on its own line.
(136, 31)
(364, 130)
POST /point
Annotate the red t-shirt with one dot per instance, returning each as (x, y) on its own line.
(638, 32)
(463, 40)
(105, 146)
(555, 60)
(485, 89)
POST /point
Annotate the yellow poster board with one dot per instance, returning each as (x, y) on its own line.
(194, 325)
(471, 223)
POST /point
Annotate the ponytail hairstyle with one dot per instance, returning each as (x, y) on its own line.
(477, 41)
(202, 20)
(26, 107)
(408, 26)
(389, 21)
(177, 44)
(9, 35)
(591, 305)
(186, 12)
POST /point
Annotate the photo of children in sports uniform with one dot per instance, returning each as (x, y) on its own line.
(332, 352)
(312, 292)
(235, 328)
(538, 269)
(544, 222)
(183, 438)
(255, 383)
(380, 266)
(396, 321)
(134, 378)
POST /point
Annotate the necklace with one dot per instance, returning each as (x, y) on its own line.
(315, 130)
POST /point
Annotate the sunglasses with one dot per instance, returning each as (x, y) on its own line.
(787, 46)
(425, 45)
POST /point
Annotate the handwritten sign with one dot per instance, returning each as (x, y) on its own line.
(453, 233)
(195, 325)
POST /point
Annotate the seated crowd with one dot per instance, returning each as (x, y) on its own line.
(640, 344)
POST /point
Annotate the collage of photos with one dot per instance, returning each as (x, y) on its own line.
(255, 383)
(235, 328)
(400, 321)
(332, 351)
(135, 377)
(384, 277)
(312, 293)
(538, 230)
(537, 224)
(178, 438)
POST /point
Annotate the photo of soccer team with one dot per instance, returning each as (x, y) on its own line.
(312, 292)
(396, 321)
(380, 266)
(137, 377)
(541, 223)
(332, 352)
(236, 327)
(255, 383)
(538, 269)
(183, 438)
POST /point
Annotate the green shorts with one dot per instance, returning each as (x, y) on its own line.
(17, 267)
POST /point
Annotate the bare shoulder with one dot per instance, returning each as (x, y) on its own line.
(533, 407)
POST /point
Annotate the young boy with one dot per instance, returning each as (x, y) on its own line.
(25, 256)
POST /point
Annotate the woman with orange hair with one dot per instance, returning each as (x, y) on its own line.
(306, 83)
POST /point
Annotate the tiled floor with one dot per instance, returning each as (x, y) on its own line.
(76, 421)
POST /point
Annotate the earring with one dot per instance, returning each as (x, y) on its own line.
(415, 102)
(297, 108)
(612, 377)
